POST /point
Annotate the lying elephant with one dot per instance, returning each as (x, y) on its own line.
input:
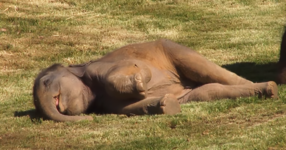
(282, 61)
(147, 78)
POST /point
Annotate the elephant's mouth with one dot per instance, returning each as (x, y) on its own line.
(57, 101)
(60, 107)
(56, 98)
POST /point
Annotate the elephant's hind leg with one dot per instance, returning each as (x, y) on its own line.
(197, 68)
(215, 91)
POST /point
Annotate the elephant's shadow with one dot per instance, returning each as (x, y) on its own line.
(32, 113)
(254, 72)
(249, 70)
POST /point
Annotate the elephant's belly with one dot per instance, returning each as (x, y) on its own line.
(164, 82)
(177, 89)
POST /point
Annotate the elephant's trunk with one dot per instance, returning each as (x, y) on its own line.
(49, 109)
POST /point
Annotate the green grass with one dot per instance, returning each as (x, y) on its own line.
(242, 35)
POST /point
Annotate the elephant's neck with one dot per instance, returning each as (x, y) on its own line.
(89, 97)
(94, 77)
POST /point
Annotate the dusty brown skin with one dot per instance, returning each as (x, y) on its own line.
(147, 78)
(281, 78)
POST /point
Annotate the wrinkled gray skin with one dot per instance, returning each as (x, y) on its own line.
(147, 78)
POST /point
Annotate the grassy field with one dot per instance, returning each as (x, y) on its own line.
(242, 35)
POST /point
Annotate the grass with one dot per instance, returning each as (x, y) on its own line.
(242, 35)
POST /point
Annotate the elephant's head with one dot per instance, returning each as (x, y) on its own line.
(60, 95)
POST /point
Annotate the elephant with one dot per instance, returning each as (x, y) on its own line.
(144, 78)
(281, 78)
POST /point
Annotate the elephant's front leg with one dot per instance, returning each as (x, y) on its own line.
(168, 104)
(127, 80)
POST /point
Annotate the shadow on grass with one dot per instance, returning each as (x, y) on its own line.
(254, 72)
(33, 114)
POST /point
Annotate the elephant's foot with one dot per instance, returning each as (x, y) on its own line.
(170, 105)
(271, 90)
(268, 90)
(140, 85)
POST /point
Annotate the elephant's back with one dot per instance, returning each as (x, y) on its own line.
(149, 52)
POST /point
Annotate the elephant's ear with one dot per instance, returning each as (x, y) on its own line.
(77, 70)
